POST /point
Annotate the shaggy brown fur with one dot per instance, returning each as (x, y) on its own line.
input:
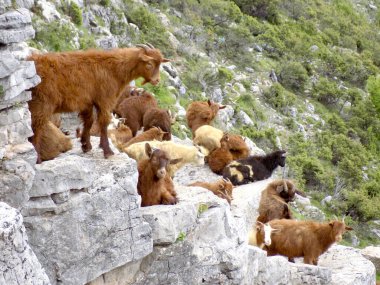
(129, 91)
(53, 142)
(221, 188)
(274, 201)
(156, 117)
(155, 185)
(134, 108)
(149, 135)
(305, 239)
(237, 147)
(78, 81)
(201, 113)
(120, 136)
(220, 157)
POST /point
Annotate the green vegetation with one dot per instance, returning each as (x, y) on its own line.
(181, 237)
(1, 90)
(75, 13)
(202, 208)
(54, 36)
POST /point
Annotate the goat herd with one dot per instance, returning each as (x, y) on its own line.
(84, 81)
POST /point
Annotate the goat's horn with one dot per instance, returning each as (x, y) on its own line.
(143, 46)
(335, 217)
(150, 45)
(343, 218)
(285, 186)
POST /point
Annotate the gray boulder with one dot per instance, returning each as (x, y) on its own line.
(373, 254)
(19, 264)
(84, 218)
(15, 26)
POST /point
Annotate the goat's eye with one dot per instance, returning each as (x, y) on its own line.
(149, 66)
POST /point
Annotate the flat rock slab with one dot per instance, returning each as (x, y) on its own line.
(348, 266)
(373, 254)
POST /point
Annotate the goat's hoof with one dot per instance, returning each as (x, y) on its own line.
(39, 160)
(109, 153)
(86, 147)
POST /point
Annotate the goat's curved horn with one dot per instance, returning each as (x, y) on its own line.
(143, 46)
(285, 186)
(335, 217)
(343, 218)
(150, 45)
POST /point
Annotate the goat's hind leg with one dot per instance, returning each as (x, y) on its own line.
(88, 119)
(103, 120)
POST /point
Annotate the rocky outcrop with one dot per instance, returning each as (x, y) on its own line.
(19, 265)
(83, 216)
(372, 253)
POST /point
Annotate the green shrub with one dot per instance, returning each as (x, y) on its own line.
(105, 3)
(373, 87)
(278, 97)
(75, 14)
(225, 75)
(293, 76)
(327, 92)
(265, 139)
(54, 36)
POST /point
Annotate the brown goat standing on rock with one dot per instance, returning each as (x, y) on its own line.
(274, 200)
(133, 109)
(307, 239)
(156, 117)
(78, 81)
(254, 168)
(201, 113)
(155, 185)
(221, 188)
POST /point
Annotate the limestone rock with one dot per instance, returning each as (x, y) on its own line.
(373, 254)
(304, 274)
(16, 179)
(19, 264)
(15, 26)
(244, 119)
(8, 64)
(84, 219)
(348, 266)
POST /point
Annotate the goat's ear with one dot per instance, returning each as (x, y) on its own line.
(145, 58)
(166, 60)
(222, 107)
(148, 150)
(175, 161)
(279, 189)
(209, 102)
(331, 223)
(347, 228)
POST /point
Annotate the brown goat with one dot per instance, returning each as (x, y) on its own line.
(121, 135)
(149, 135)
(260, 236)
(237, 147)
(274, 200)
(156, 117)
(201, 113)
(133, 109)
(220, 157)
(129, 91)
(78, 81)
(221, 188)
(155, 185)
(53, 142)
(307, 239)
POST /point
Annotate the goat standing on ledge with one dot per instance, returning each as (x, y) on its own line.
(201, 113)
(81, 80)
(155, 185)
(307, 239)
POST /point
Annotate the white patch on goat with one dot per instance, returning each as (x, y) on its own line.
(267, 232)
(236, 172)
(250, 170)
(234, 163)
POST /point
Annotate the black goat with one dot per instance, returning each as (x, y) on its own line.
(254, 168)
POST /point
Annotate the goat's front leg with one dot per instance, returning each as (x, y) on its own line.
(103, 121)
(88, 119)
(168, 199)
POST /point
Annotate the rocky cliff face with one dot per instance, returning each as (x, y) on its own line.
(82, 215)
